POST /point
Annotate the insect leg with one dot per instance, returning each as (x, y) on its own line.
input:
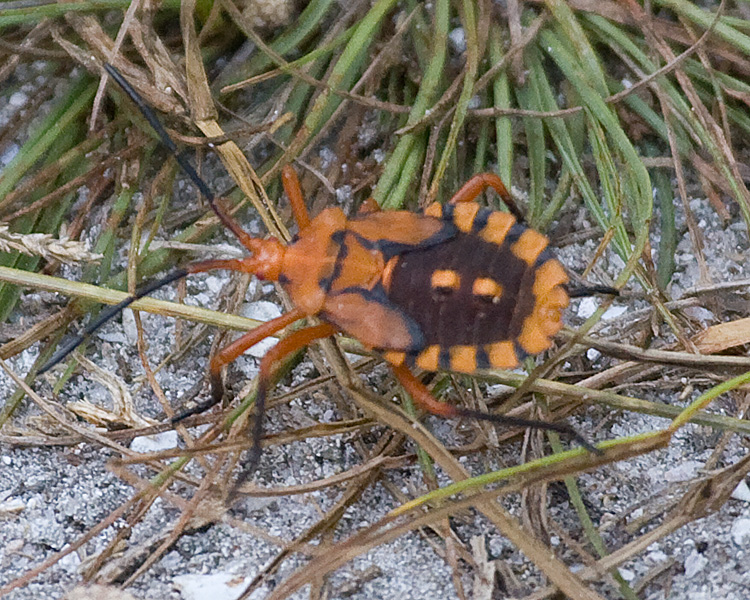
(296, 199)
(109, 313)
(424, 399)
(591, 290)
(288, 345)
(231, 352)
(480, 182)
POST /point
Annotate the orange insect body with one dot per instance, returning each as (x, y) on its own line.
(458, 287)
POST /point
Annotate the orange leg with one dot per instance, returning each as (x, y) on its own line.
(231, 352)
(477, 184)
(296, 199)
(297, 340)
(425, 400)
(421, 395)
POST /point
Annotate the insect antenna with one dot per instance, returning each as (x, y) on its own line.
(185, 165)
(150, 286)
(591, 290)
(108, 314)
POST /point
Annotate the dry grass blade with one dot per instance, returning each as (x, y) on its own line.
(108, 296)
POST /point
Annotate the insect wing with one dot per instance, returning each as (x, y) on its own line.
(394, 232)
(371, 318)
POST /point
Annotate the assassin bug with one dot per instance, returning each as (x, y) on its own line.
(459, 288)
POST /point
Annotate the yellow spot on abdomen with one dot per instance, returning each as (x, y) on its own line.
(395, 358)
(550, 300)
(484, 286)
(434, 210)
(444, 278)
(502, 355)
(549, 275)
(532, 337)
(463, 215)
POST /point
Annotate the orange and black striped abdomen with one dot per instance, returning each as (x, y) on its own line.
(485, 298)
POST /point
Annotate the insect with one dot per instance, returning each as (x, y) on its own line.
(458, 287)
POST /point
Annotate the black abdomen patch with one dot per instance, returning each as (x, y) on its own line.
(473, 295)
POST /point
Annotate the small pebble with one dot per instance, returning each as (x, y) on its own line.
(657, 556)
(70, 562)
(587, 307)
(261, 311)
(11, 151)
(154, 443)
(740, 531)
(592, 354)
(216, 586)
(14, 505)
(129, 327)
(458, 39)
(684, 472)
(694, 564)
(113, 338)
(742, 492)
(613, 312)
(18, 99)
